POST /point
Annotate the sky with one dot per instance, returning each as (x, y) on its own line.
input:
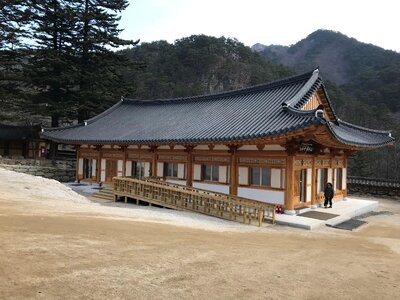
(282, 22)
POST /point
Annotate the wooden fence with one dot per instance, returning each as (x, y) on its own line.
(182, 197)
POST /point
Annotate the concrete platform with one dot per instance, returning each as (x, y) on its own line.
(345, 209)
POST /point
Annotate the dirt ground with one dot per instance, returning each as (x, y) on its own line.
(48, 252)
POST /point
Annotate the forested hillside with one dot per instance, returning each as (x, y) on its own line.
(197, 65)
(363, 82)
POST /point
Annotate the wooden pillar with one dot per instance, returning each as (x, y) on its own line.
(99, 155)
(189, 174)
(314, 184)
(289, 189)
(154, 164)
(77, 163)
(347, 171)
(123, 148)
(233, 186)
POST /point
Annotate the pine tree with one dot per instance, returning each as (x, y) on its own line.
(100, 78)
(13, 18)
(50, 69)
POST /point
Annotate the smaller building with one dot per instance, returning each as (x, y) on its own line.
(21, 141)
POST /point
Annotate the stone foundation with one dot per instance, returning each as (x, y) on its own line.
(61, 170)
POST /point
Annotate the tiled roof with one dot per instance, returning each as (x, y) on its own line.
(246, 114)
(10, 132)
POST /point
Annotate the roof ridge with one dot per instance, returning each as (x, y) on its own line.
(254, 88)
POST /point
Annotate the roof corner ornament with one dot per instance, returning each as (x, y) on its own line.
(41, 130)
(85, 122)
(122, 98)
(319, 113)
(390, 134)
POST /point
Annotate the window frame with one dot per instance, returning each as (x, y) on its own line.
(339, 181)
(213, 168)
(174, 168)
(261, 177)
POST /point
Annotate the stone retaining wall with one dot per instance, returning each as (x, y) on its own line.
(385, 188)
(61, 170)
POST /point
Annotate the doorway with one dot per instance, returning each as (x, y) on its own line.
(303, 185)
(300, 185)
(111, 169)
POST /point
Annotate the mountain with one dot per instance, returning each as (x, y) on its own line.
(363, 81)
(340, 57)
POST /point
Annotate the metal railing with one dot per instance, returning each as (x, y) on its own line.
(182, 197)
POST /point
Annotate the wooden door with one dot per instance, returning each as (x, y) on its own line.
(303, 185)
(296, 185)
(111, 169)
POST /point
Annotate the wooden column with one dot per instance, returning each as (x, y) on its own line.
(123, 149)
(189, 174)
(98, 174)
(154, 163)
(289, 205)
(77, 148)
(233, 186)
(314, 184)
(347, 171)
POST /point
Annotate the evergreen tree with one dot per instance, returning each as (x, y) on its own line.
(99, 67)
(13, 18)
(50, 69)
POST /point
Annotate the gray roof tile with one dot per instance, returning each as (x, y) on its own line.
(250, 113)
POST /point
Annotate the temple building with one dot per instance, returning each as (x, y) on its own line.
(279, 142)
(21, 141)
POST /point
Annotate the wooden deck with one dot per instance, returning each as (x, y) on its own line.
(182, 197)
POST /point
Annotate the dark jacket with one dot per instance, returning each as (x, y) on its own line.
(328, 192)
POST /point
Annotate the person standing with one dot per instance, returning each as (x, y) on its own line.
(328, 192)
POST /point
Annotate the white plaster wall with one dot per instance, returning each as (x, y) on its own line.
(344, 182)
(80, 166)
(248, 147)
(128, 168)
(146, 169)
(103, 170)
(181, 171)
(182, 182)
(221, 147)
(274, 147)
(244, 175)
(165, 147)
(160, 169)
(94, 163)
(276, 178)
(197, 172)
(201, 147)
(219, 188)
(276, 197)
(222, 174)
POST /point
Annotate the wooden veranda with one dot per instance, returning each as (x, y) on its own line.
(182, 197)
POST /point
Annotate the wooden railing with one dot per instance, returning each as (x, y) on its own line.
(182, 197)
